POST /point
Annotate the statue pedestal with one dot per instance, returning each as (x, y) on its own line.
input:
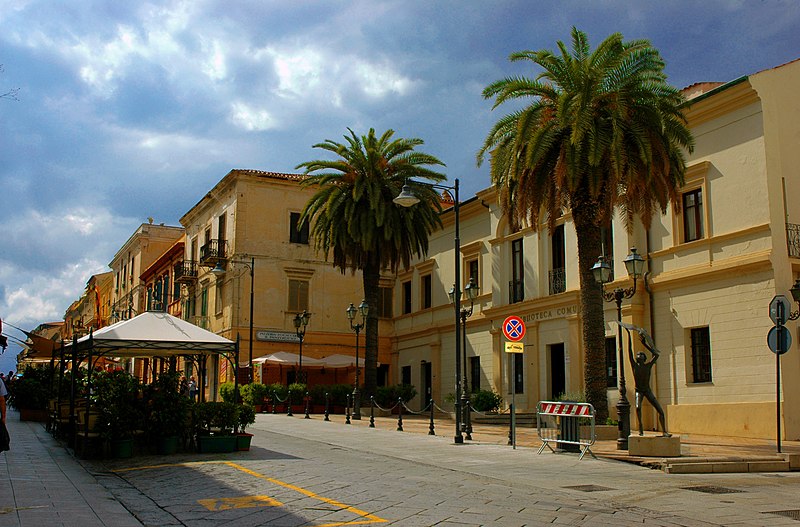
(654, 446)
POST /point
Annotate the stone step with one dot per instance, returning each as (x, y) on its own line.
(722, 466)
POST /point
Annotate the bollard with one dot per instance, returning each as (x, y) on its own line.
(274, 403)
(400, 415)
(430, 428)
(468, 421)
(371, 411)
(308, 400)
(327, 407)
(511, 426)
(289, 405)
(347, 410)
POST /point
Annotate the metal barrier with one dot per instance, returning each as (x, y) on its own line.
(561, 423)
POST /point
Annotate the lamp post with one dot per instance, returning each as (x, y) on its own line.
(300, 324)
(219, 271)
(363, 308)
(634, 264)
(471, 290)
(407, 198)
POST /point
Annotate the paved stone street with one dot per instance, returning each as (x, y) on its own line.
(310, 472)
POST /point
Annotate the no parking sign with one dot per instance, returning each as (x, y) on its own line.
(514, 328)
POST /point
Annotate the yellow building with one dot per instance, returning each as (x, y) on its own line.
(713, 265)
(246, 226)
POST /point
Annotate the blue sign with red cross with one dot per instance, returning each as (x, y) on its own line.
(514, 328)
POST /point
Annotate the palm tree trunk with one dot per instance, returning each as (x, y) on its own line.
(591, 308)
(371, 277)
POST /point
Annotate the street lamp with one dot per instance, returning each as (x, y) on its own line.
(363, 308)
(471, 290)
(634, 263)
(219, 271)
(300, 324)
(407, 198)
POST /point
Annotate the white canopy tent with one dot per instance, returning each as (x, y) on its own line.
(285, 358)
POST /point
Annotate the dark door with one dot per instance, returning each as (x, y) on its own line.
(558, 378)
(426, 385)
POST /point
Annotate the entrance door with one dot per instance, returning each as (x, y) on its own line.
(558, 374)
(427, 379)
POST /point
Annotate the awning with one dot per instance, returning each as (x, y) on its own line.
(293, 359)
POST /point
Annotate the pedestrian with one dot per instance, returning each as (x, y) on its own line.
(184, 387)
(192, 389)
(5, 440)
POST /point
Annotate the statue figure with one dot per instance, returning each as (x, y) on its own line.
(641, 375)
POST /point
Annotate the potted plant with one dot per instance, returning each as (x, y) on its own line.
(168, 412)
(254, 395)
(216, 422)
(116, 397)
(246, 417)
(30, 394)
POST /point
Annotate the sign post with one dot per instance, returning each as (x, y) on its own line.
(779, 341)
(514, 331)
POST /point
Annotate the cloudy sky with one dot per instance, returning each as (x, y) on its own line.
(126, 110)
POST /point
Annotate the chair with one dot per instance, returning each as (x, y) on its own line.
(87, 435)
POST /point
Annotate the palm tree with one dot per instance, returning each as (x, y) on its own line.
(352, 215)
(603, 131)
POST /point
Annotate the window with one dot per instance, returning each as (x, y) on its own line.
(295, 235)
(519, 385)
(475, 373)
(426, 291)
(516, 286)
(298, 295)
(607, 236)
(193, 250)
(165, 299)
(218, 298)
(385, 302)
(558, 277)
(693, 215)
(472, 272)
(221, 229)
(204, 302)
(611, 362)
(701, 355)
(407, 297)
(405, 375)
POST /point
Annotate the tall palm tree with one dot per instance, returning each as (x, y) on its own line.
(603, 131)
(353, 217)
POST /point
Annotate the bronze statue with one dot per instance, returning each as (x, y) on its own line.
(641, 375)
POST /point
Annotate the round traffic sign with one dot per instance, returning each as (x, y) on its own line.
(514, 328)
(779, 335)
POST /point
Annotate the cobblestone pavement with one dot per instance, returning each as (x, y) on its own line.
(310, 472)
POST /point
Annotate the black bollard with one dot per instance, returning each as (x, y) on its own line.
(308, 400)
(289, 405)
(274, 402)
(511, 427)
(347, 410)
(430, 428)
(327, 408)
(371, 411)
(400, 415)
(468, 421)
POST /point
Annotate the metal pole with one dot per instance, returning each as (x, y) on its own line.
(623, 406)
(250, 342)
(356, 394)
(458, 439)
(778, 351)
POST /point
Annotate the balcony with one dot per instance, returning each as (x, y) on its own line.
(793, 239)
(212, 252)
(185, 272)
(516, 291)
(557, 280)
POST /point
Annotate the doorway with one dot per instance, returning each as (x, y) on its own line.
(558, 373)
(427, 378)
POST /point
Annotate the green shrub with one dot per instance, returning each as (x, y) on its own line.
(253, 393)
(277, 389)
(32, 390)
(337, 393)
(217, 415)
(298, 391)
(116, 396)
(246, 416)
(226, 392)
(486, 401)
(572, 397)
(386, 396)
(167, 409)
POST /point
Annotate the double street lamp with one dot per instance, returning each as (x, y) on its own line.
(471, 290)
(219, 271)
(407, 198)
(300, 324)
(634, 264)
(363, 308)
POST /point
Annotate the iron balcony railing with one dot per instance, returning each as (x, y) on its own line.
(185, 271)
(212, 252)
(558, 280)
(793, 239)
(516, 291)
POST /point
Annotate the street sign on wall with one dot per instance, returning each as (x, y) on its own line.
(514, 328)
(515, 347)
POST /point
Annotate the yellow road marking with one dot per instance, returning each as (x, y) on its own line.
(242, 502)
(365, 517)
